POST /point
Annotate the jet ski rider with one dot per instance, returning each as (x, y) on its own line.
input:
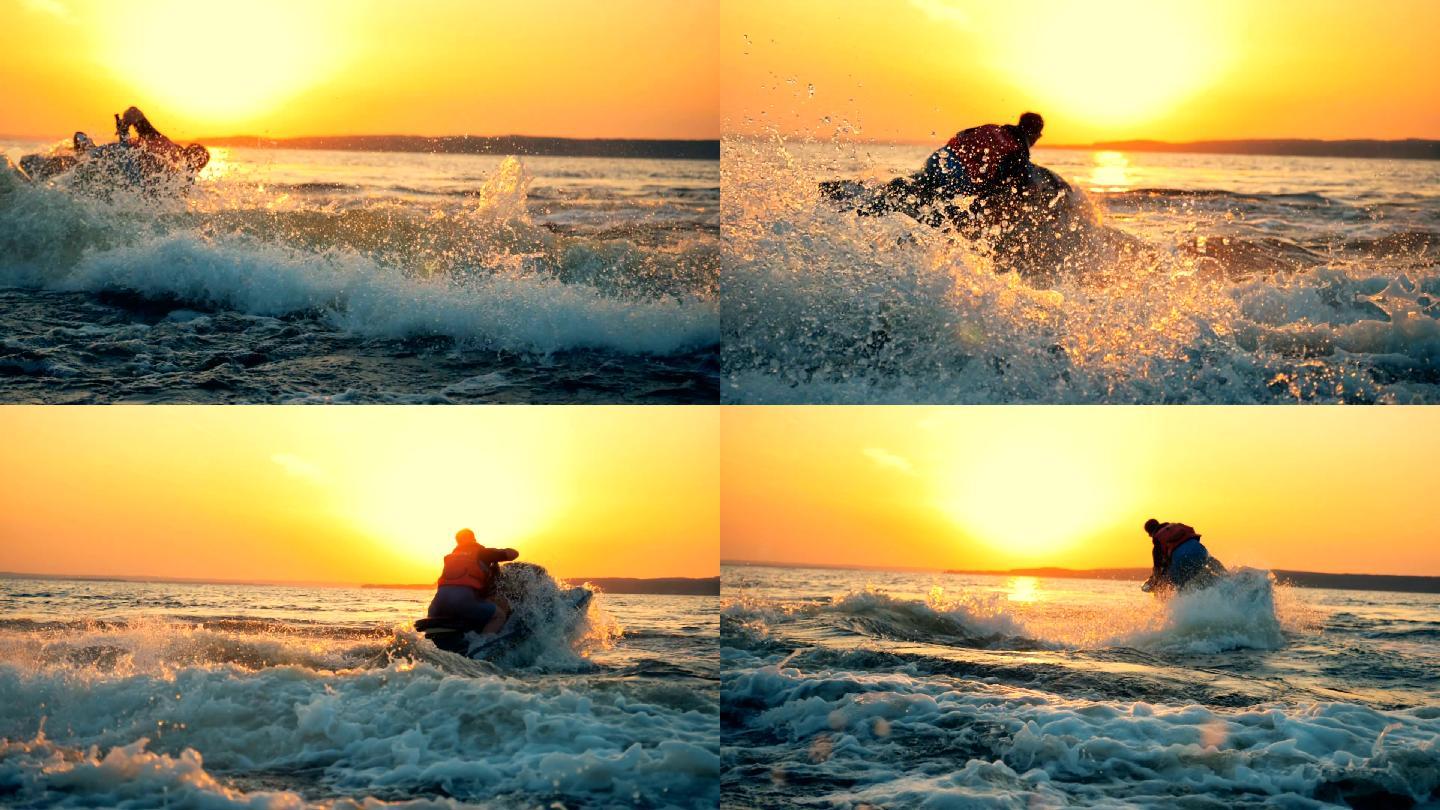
(466, 587)
(1178, 558)
(981, 162)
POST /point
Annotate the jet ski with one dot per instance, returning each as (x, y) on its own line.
(1037, 227)
(1211, 572)
(98, 170)
(536, 603)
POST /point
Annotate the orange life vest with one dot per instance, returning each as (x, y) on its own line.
(981, 148)
(463, 567)
(1172, 535)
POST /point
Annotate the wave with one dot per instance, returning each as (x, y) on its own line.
(487, 279)
(1236, 613)
(1301, 198)
(404, 730)
(1239, 612)
(892, 739)
(821, 306)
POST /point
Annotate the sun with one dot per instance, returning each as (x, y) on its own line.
(1111, 64)
(219, 64)
(417, 509)
(1035, 499)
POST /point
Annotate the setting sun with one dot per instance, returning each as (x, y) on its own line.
(563, 68)
(356, 494)
(1089, 62)
(918, 71)
(262, 57)
(1038, 496)
(1070, 486)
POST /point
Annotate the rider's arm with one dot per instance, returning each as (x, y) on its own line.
(498, 555)
(145, 130)
(134, 118)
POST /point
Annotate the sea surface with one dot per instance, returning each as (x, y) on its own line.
(315, 276)
(163, 695)
(1249, 279)
(853, 689)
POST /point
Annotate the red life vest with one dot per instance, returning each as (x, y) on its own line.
(463, 567)
(1172, 535)
(981, 148)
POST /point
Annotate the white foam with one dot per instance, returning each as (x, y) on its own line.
(412, 727)
(496, 293)
(529, 313)
(821, 306)
(879, 728)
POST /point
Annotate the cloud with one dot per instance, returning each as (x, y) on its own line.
(54, 8)
(946, 11)
(889, 460)
(299, 467)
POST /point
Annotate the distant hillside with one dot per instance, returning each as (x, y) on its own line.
(666, 586)
(488, 145)
(1408, 149)
(1302, 579)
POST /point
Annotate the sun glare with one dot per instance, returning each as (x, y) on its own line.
(1032, 499)
(1113, 64)
(420, 517)
(415, 502)
(1111, 172)
(218, 65)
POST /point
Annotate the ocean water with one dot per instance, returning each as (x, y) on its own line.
(161, 695)
(312, 276)
(877, 689)
(1228, 279)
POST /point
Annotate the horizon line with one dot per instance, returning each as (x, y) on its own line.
(214, 137)
(298, 583)
(1013, 571)
(1409, 148)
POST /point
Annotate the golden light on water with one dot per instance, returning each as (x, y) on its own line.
(1023, 589)
(219, 165)
(1110, 172)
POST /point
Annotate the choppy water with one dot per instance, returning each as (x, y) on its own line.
(153, 695)
(851, 689)
(304, 276)
(1256, 280)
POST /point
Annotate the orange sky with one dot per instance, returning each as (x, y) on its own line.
(578, 68)
(1345, 490)
(1097, 70)
(356, 494)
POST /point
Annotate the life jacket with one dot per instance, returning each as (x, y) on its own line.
(980, 150)
(463, 567)
(1171, 536)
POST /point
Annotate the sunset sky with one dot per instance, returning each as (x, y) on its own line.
(578, 68)
(356, 494)
(1345, 490)
(1175, 70)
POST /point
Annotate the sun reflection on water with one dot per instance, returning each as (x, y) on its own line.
(1023, 589)
(1111, 172)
